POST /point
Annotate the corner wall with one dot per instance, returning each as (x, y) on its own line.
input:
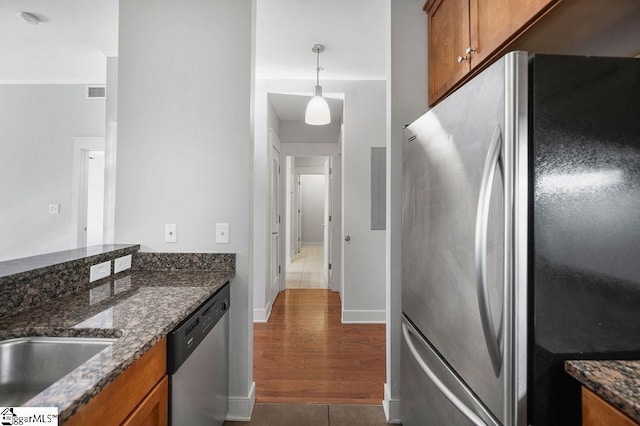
(185, 145)
(407, 100)
(37, 124)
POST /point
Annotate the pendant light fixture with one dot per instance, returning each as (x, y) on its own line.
(317, 113)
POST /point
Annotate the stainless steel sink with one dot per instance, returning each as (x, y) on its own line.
(29, 365)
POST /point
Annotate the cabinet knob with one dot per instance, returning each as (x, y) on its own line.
(467, 54)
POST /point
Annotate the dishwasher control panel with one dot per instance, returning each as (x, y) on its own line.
(186, 337)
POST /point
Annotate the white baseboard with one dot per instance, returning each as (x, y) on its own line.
(363, 317)
(391, 407)
(240, 408)
(262, 315)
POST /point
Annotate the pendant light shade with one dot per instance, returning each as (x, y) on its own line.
(317, 113)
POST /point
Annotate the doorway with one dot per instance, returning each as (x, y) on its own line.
(94, 198)
(88, 190)
(308, 213)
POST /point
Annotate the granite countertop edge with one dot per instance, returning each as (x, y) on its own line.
(617, 382)
(140, 326)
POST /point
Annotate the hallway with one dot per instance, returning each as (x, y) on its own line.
(304, 354)
(305, 270)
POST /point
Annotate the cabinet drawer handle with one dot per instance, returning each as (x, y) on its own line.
(463, 58)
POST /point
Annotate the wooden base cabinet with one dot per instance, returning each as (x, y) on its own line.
(597, 412)
(139, 396)
(154, 409)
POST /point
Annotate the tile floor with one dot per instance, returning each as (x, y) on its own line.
(314, 415)
(305, 270)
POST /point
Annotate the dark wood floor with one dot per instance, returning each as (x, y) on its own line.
(304, 354)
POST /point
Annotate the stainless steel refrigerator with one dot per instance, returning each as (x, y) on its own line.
(520, 240)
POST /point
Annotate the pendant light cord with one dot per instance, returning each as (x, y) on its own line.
(318, 67)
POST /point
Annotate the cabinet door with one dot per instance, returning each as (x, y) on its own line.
(597, 412)
(112, 406)
(154, 408)
(496, 22)
(448, 39)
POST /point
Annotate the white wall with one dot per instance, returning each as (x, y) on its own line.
(37, 124)
(363, 296)
(291, 226)
(407, 86)
(273, 122)
(110, 147)
(261, 253)
(364, 256)
(262, 299)
(184, 144)
(299, 132)
(312, 195)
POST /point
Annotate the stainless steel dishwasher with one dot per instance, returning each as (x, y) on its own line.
(198, 364)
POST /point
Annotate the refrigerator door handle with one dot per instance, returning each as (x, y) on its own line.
(473, 417)
(492, 339)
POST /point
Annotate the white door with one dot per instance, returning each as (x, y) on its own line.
(87, 202)
(94, 197)
(299, 216)
(275, 223)
(326, 221)
(329, 240)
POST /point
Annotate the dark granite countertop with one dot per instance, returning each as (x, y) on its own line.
(617, 382)
(138, 307)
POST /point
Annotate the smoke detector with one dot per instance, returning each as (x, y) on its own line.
(30, 18)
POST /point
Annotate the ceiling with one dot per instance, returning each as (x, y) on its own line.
(71, 42)
(69, 45)
(75, 36)
(352, 31)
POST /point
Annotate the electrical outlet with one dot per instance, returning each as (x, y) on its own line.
(122, 263)
(170, 233)
(54, 208)
(222, 233)
(100, 270)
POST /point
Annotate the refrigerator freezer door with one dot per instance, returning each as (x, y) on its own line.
(453, 273)
(429, 379)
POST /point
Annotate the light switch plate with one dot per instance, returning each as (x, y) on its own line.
(170, 233)
(122, 263)
(222, 233)
(99, 270)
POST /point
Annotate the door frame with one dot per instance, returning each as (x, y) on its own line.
(275, 224)
(79, 184)
(333, 151)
